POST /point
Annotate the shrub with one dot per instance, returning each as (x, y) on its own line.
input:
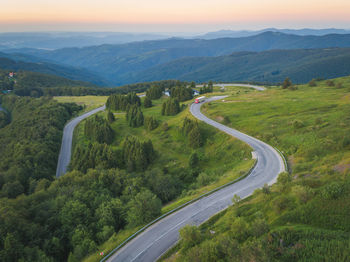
(147, 102)
(286, 83)
(330, 83)
(297, 123)
(339, 85)
(150, 123)
(110, 117)
(332, 191)
(312, 83)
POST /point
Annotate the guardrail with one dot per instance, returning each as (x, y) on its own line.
(284, 159)
(174, 210)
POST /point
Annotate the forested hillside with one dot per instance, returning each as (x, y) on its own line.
(301, 65)
(16, 62)
(121, 64)
(30, 141)
(121, 175)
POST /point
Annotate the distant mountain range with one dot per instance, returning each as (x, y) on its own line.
(121, 64)
(245, 33)
(20, 62)
(301, 65)
(56, 40)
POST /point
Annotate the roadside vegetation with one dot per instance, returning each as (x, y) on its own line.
(188, 158)
(305, 215)
(125, 172)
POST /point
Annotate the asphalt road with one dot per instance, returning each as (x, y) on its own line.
(66, 145)
(158, 238)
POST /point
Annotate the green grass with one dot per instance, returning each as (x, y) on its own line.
(311, 213)
(89, 102)
(222, 157)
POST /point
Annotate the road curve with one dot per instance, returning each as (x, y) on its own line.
(67, 138)
(158, 238)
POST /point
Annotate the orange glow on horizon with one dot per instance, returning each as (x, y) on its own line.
(163, 12)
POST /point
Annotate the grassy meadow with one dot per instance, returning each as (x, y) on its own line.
(88, 102)
(305, 216)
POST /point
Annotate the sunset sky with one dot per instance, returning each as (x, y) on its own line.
(170, 16)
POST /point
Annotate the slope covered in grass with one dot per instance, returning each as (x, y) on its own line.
(305, 216)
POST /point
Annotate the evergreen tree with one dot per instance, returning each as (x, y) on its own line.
(170, 107)
(147, 102)
(195, 138)
(121, 102)
(151, 123)
(154, 92)
(181, 93)
(97, 129)
(137, 155)
(110, 117)
(134, 116)
(193, 161)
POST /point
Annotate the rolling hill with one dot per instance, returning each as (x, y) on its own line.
(301, 65)
(121, 64)
(18, 62)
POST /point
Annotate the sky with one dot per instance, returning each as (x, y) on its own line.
(171, 15)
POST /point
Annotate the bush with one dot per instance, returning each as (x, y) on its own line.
(312, 83)
(339, 85)
(110, 117)
(297, 123)
(330, 83)
(150, 123)
(147, 102)
(332, 191)
(190, 236)
(286, 83)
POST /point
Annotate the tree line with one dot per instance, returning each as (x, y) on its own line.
(30, 142)
(98, 129)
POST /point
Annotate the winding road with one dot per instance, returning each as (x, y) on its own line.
(158, 238)
(67, 138)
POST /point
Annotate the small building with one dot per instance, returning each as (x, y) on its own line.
(195, 92)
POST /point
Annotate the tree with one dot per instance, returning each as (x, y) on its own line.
(110, 117)
(193, 161)
(193, 84)
(181, 93)
(150, 123)
(195, 137)
(134, 116)
(98, 129)
(154, 92)
(170, 107)
(121, 102)
(190, 236)
(144, 207)
(286, 83)
(147, 102)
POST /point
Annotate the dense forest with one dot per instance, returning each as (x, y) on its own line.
(27, 83)
(30, 142)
